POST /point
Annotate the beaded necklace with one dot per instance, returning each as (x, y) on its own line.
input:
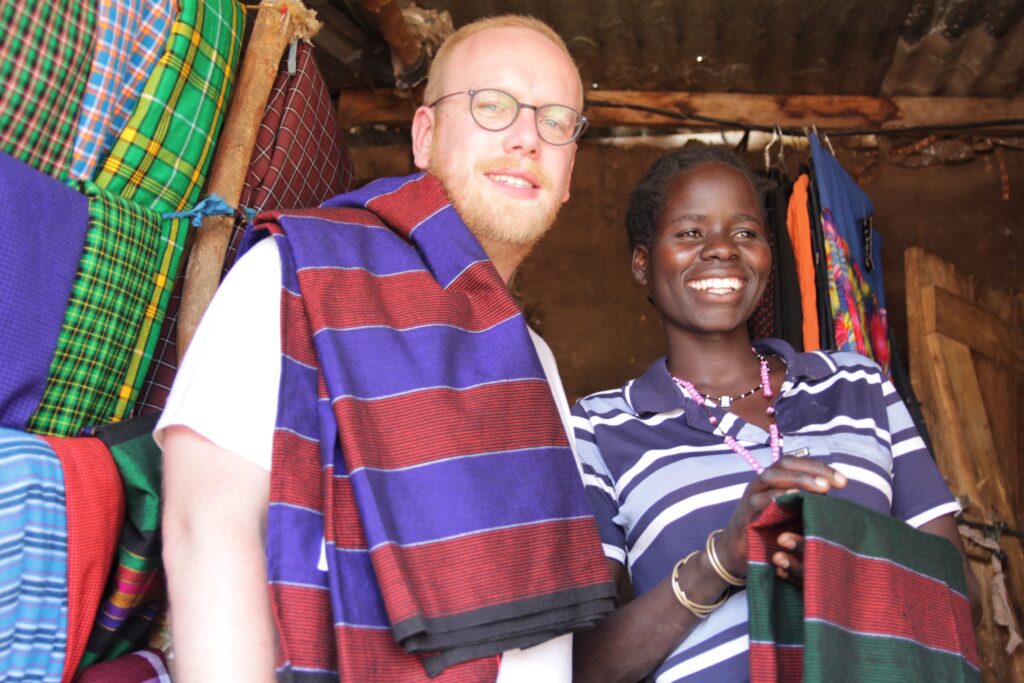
(773, 429)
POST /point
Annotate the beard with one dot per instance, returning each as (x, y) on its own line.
(491, 216)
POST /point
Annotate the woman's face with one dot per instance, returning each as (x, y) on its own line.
(709, 262)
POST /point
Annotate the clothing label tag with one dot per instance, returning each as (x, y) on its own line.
(322, 564)
(799, 453)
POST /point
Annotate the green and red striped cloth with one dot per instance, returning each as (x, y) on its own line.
(881, 601)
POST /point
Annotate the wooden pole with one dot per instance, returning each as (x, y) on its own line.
(277, 24)
(410, 57)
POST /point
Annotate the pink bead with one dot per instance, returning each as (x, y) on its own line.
(774, 438)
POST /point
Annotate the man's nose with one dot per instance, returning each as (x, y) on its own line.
(522, 135)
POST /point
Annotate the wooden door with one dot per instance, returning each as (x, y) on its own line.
(967, 368)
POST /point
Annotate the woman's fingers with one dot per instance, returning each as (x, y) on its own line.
(807, 474)
(789, 561)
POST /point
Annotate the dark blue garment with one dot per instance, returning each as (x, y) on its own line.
(850, 207)
(42, 234)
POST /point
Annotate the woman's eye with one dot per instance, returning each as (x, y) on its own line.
(691, 234)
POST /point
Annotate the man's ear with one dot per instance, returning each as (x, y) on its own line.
(572, 165)
(422, 136)
(640, 264)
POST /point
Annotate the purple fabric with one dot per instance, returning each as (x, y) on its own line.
(42, 234)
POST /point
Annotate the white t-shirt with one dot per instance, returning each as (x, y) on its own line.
(226, 391)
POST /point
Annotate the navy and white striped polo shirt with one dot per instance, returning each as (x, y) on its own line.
(660, 478)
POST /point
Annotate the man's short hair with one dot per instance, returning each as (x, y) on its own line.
(440, 63)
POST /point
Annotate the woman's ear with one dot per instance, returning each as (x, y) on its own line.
(640, 264)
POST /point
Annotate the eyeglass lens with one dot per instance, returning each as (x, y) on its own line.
(497, 110)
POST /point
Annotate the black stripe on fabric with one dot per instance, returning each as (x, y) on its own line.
(115, 434)
(289, 675)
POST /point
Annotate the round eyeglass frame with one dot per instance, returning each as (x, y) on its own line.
(581, 119)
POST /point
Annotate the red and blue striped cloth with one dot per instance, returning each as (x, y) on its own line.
(881, 601)
(426, 510)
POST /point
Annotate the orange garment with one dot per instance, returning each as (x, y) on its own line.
(798, 224)
(95, 503)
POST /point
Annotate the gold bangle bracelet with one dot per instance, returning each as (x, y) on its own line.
(698, 610)
(717, 565)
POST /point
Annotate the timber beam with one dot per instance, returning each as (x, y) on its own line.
(828, 112)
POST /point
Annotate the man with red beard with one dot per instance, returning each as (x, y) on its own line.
(365, 424)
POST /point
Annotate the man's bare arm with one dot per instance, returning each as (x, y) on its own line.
(214, 524)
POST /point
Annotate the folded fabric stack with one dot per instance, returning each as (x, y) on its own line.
(135, 92)
(109, 117)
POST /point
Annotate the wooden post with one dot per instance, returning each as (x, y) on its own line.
(277, 24)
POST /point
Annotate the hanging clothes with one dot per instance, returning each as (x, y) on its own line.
(135, 594)
(299, 160)
(43, 223)
(761, 324)
(34, 540)
(798, 223)
(161, 158)
(788, 315)
(121, 290)
(860, 319)
(821, 274)
(45, 55)
(130, 37)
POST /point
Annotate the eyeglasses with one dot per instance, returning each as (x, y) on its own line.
(496, 110)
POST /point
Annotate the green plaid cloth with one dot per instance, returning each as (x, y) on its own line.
(120, 294)
(45, 58)
(161, 157)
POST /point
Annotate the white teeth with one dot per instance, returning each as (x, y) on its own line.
(512, 180)
(717, 285)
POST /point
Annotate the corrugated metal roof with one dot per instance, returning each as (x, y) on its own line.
(856, 47)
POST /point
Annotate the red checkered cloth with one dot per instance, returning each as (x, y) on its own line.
(45, 55)
(300, 159)
(95, 504)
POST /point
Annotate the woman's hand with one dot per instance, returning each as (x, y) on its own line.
(789, 474)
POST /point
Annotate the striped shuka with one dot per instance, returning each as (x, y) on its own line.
(34, 612)
(135, 593)
(881, 601)
(426, 509)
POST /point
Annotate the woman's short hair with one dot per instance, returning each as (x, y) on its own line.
(648, 197)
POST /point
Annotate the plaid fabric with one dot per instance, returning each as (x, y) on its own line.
(42, 227)
(161, 157)
(135, 593)
(120, 294)
(881, 601)
(300, 159)
(144, 666)
(45, 54)
(34, 613)
(500, 550)
(130, 37)
(95, 507)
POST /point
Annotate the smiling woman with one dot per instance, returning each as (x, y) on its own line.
(679, 461)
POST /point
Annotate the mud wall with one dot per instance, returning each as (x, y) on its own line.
(576, 287)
